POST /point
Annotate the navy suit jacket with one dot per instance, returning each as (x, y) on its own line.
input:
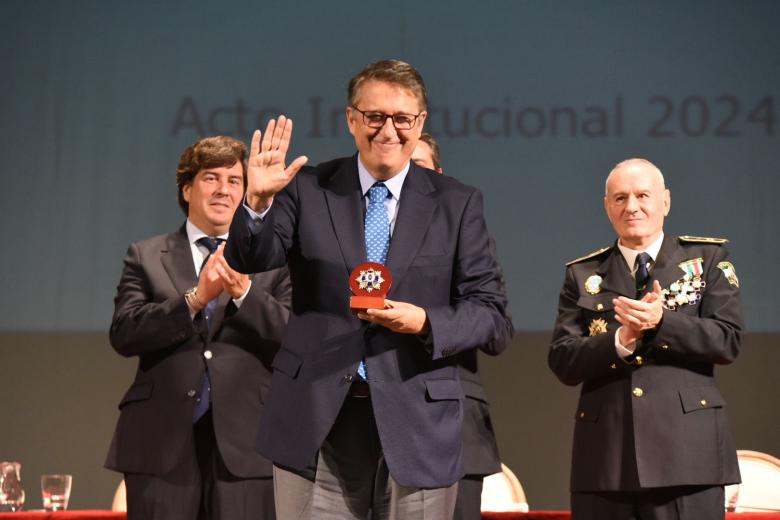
(439, 260)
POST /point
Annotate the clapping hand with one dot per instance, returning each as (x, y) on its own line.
(637, 316)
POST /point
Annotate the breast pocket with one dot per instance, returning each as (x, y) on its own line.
(597, 303)
(598, 313)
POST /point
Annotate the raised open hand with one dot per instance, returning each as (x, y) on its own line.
(266, 171)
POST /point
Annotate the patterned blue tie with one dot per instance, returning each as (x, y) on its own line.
(211, 244)
(204, 394)
(377, 230)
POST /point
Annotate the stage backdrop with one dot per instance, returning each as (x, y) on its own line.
(533, 102)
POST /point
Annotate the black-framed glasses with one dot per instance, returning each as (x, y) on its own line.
(377, 119)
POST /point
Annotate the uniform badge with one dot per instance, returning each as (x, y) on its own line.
(730, 272)
(687, 290)
(370, 280)
(683, 292)
(597, 326)
(692, 268)
(593, 284)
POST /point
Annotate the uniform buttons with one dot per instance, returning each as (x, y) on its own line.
(703, 402)
(582, 415)
(613, 366)
(638, 392)
(600, 307)
(665, 347)
(639, 361)
(348, 378)
(208, 354)
(191, 393)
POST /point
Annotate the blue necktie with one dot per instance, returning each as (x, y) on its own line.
(377, 231)
(204, 394)
(642, 271)
(211, 244)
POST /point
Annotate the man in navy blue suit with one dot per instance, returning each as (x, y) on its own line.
(372, 399)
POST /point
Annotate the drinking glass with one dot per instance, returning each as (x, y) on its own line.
(55, 490)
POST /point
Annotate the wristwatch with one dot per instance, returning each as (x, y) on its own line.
(191, 297)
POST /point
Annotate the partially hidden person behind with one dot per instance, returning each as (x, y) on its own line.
(480, 449)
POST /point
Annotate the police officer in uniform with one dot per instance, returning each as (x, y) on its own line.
(640, 326)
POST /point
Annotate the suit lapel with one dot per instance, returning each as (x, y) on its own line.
(344, 200)
(416, 208)
(615, 274)
(177, 261)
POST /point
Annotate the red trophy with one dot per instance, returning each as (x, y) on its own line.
(370, 282)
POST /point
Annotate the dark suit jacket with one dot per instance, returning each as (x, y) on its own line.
(480, 450)
(152, 321)
(439, 260)
(659, 420)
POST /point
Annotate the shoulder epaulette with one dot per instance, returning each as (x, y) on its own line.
(589, 256)
(702, 240)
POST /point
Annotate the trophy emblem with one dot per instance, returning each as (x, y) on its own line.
(370, 282)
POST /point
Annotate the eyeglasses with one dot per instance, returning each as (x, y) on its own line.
(377, 119)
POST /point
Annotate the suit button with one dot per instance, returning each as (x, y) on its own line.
(208, 354)
(703, 402)
(348, 378)
(582, 415)
(638, 392)
(664, 347)
(191, 393)
(638, 361)
(613, 366)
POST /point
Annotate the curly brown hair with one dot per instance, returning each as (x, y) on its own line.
(210, 152)
(390, 71)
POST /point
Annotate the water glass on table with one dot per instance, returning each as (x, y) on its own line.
(55, 490)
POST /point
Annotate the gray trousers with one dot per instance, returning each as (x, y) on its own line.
(352, 480)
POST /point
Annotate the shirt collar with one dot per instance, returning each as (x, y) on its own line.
(394, 184)
(630, 254)
(194, 233)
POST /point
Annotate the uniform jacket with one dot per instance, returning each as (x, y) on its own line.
(658, 418)
(152, 321)
(439, 260)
